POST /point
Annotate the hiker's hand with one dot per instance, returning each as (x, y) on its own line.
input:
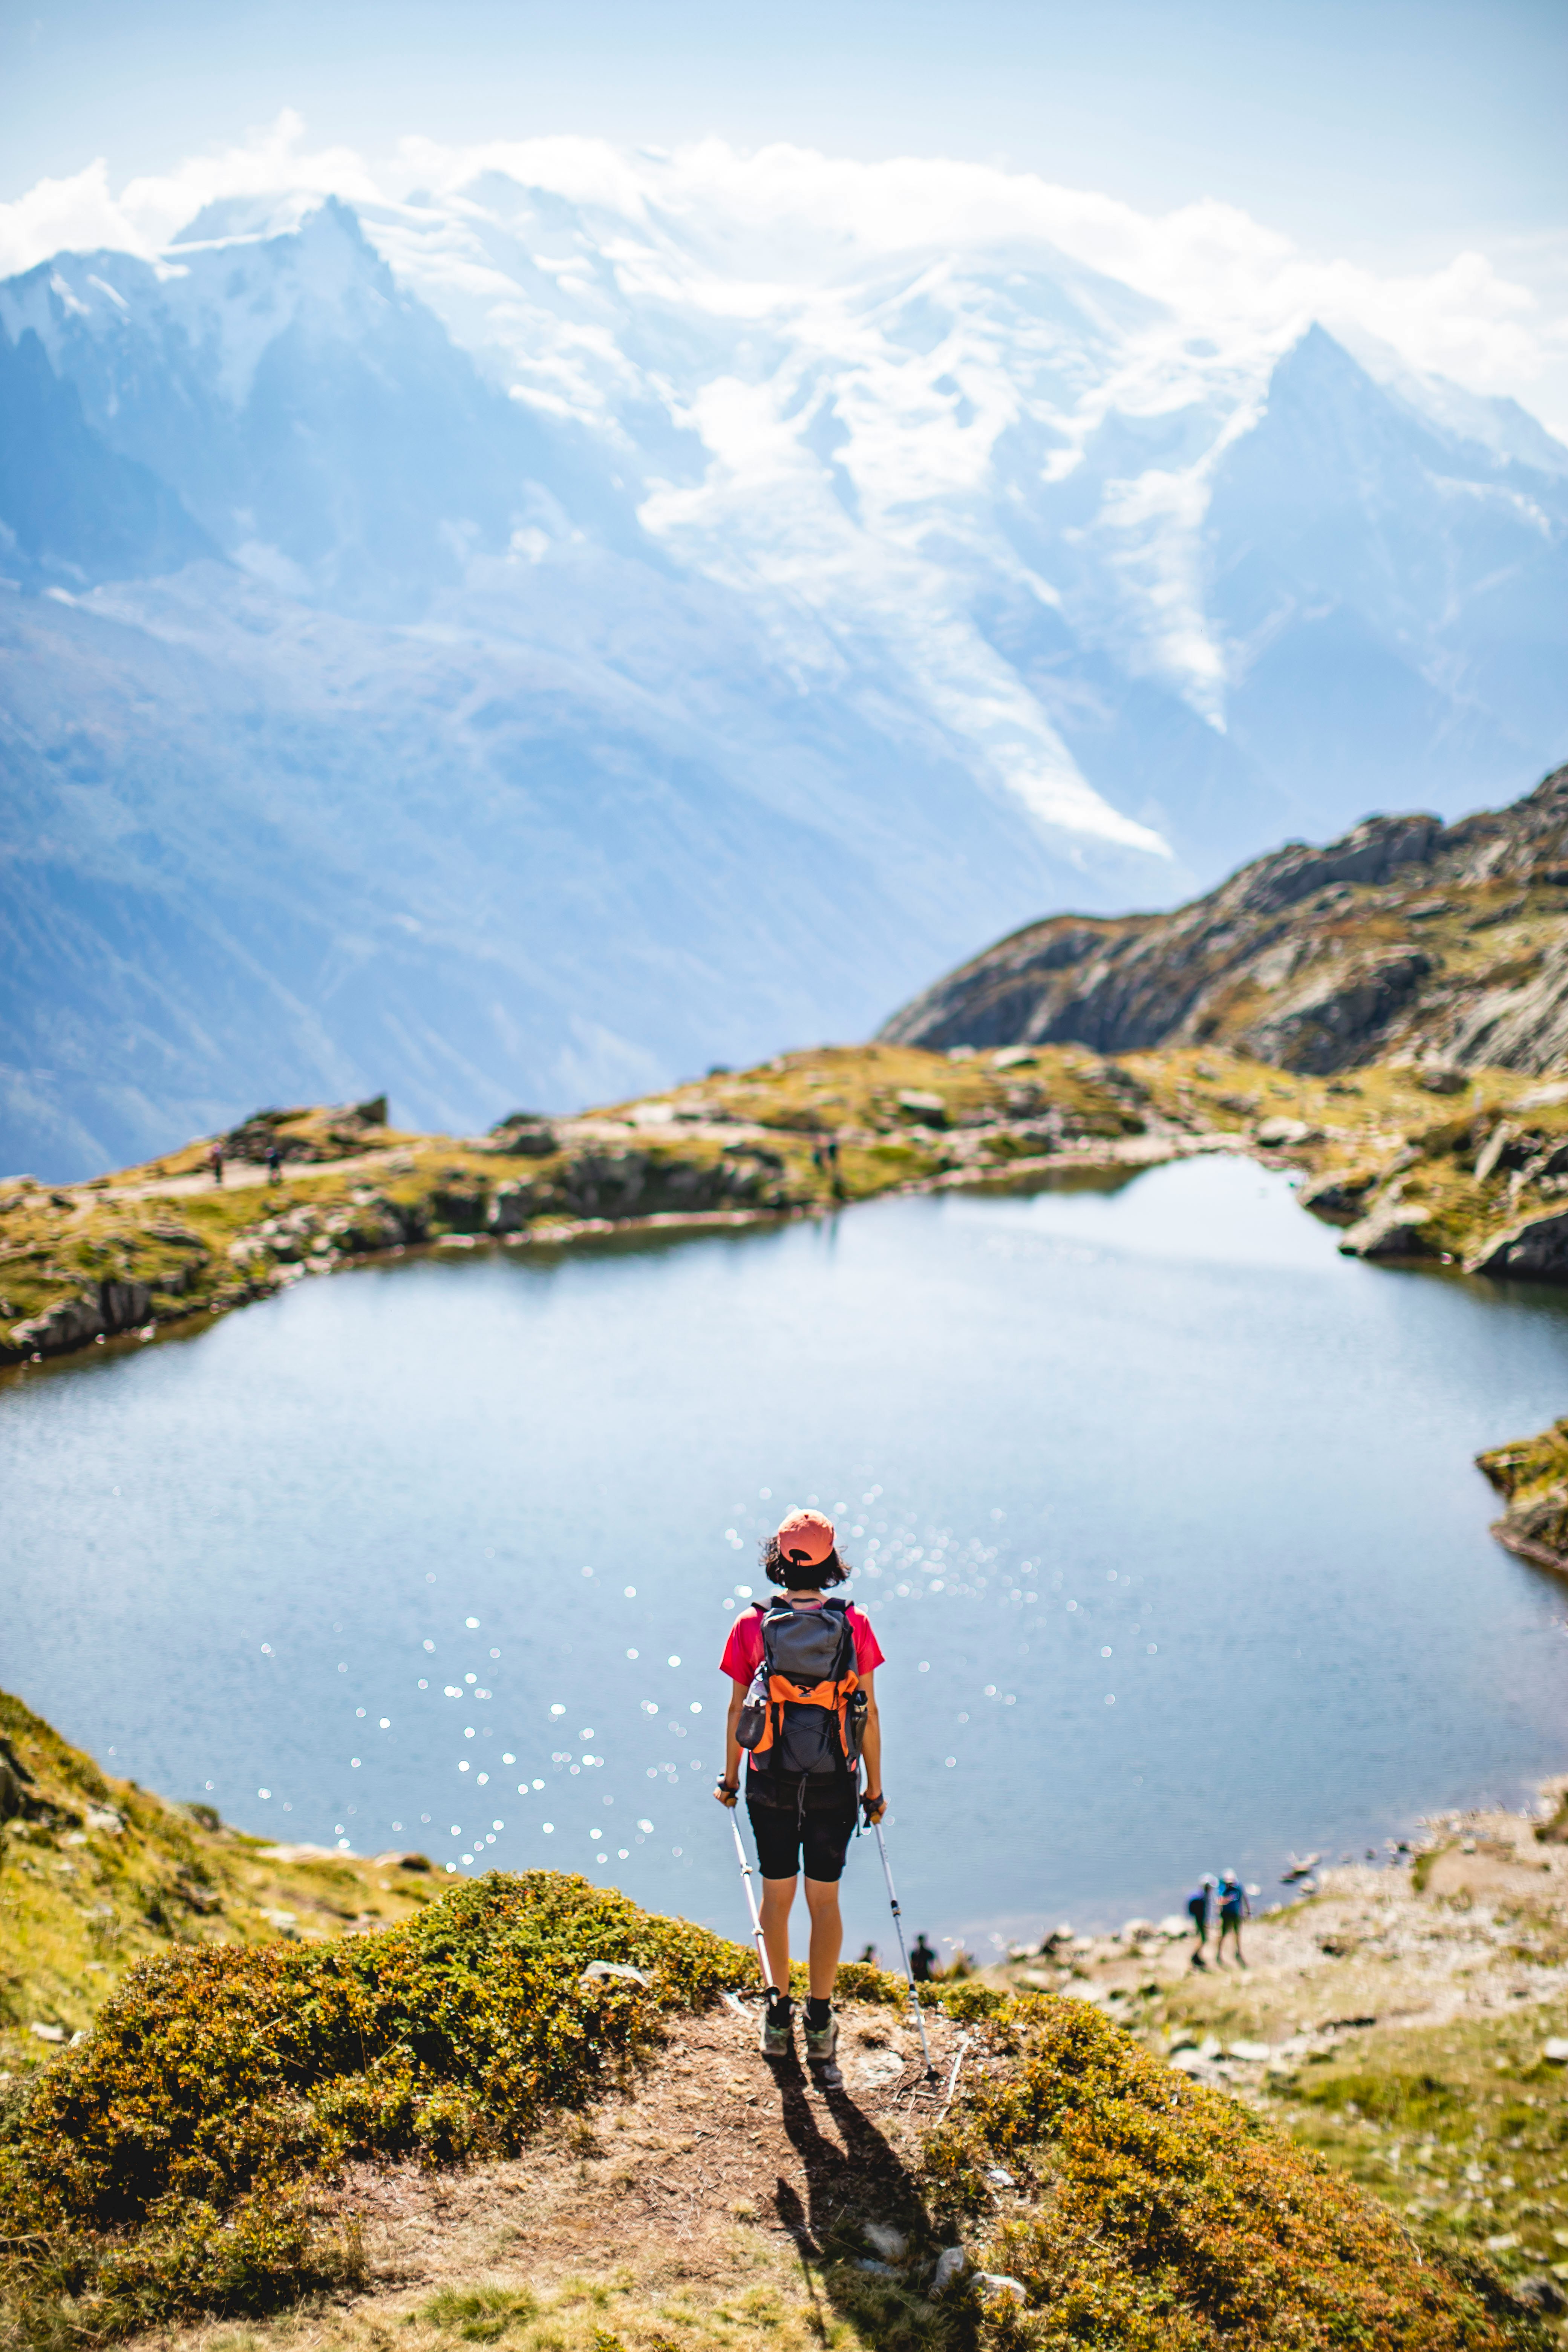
(728, 1793)
(873, 1808)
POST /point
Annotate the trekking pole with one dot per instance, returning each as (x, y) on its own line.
(903, 1950)
(752, 1906)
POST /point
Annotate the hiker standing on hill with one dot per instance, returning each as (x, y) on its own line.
(922, 1960)
(1200, 1911)
(803, 1706)
(1234, 1907)
(214, 1161)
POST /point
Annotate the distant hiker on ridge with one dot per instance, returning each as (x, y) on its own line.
(922, 1960)
(1200, 1911)
(803, 1706)
(1234, 1907)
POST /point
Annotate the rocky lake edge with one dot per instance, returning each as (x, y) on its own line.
(1420, 1165)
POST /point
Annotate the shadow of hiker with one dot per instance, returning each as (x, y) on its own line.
(863, 2179)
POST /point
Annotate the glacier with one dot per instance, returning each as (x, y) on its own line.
(526, 642)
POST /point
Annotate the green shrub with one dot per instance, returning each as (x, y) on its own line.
(1164, 2217)
(164, 2166)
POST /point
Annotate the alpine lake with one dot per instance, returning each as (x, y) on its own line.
(1164, 1515)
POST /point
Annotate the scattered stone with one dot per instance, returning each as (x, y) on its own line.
(48, 2032)
(1251, 2054)
(891, 2243)
(1278, 1132)
(993, 2284)
(1555, 2051)
(617, 1968)
(950, 2264)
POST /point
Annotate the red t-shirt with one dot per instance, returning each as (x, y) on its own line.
(743, 1650)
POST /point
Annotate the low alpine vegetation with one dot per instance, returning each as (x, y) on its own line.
(1138, 2210)
(173, 2164)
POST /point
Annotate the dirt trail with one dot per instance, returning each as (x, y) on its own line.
(707, 2200)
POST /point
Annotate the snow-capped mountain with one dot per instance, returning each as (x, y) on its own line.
(528, 640)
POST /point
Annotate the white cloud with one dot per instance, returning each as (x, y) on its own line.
(77, 215)
(787, 216)
(81, 213)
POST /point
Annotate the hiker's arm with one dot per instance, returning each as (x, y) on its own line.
(732, 1734)
(871, 1739)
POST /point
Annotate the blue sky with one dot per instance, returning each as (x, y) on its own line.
(1392, 130)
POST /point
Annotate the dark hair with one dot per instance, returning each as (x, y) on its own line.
(779, 1570)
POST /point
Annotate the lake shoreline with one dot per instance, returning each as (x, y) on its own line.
(122, 1260)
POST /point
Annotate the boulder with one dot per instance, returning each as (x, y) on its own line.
(1536, 1251)
(1339, 1199)
(1392, 1232)
(72, 1323)
(929, 1110)
(526, 1134)
(125, 1306)
(511, 1204)
(1281, 1131)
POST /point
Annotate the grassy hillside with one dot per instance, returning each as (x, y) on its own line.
(235, 2126)
(96, 1875)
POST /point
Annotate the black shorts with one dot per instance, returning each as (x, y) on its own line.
(817, 1838)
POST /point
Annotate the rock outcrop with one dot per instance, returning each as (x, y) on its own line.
(1532, 1478)
(1407, 938)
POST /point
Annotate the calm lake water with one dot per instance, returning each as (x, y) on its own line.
(1164, 1512)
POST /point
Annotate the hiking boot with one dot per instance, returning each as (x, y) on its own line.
(778, 2028)
(822, 2042)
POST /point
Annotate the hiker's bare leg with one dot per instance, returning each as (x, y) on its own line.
(778, 1895)
(826, 1935)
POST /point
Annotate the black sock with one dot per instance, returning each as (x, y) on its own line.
(818, 2013)
(778, 2001)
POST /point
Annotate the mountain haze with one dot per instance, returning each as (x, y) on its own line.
(532, 640)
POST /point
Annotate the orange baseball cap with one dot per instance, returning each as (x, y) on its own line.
(806, 1538)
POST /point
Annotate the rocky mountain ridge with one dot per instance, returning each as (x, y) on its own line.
(1406, 938)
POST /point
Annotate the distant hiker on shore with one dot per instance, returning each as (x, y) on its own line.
(274, 1164)
(1234, 1907)
(803, 1706)
(215, 1158)
(922, 1960)
(1200, 1911)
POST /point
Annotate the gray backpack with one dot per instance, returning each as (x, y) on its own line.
(805, 1711)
